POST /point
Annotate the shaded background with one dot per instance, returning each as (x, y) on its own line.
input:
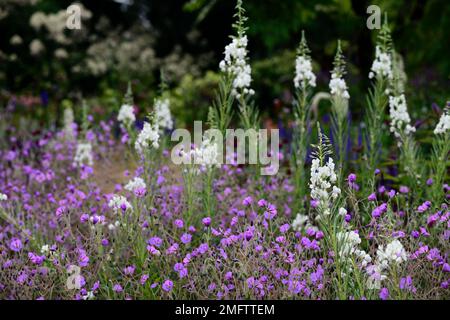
(44, 66)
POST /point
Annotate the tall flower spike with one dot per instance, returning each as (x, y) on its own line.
(304, 76)
(338, 87)
(126, 113)
(235, 60)
(443, 125)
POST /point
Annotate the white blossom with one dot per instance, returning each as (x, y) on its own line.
(394, 253)
(119, 203)
(235, 64)
(303, 73)
(443, 125)
(205, 156)
(126, 115)
(162, 112)
(322, 184)
(16, 40)
(135, 184)
(3, 197)
(36, 47)
(338, 87)
(400, 120)
(148, 136)
(382, 65)
(83, 154)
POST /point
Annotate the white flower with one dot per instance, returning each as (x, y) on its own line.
(135, 184)
(235, 64)
(36, 47)
(61, 53)
(443, 125)
(400, 120)
(162, 112)
(338, 87)
(119, 203)
(394, 253)
(15, 40)
(322, 182)
(83, 154)
(382, 65)
(126, 115)
(3, 197)
(206, 156)
(45, 249)
(89, 296)
(303, 73)
(148, 135)
(349, 242)
(342, 211)
(299, 221)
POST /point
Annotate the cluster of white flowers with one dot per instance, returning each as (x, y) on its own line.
(303, 73)
(338, 87)
(3, 197)
(394, 253)
(119, 203)
(349, 245)
(322, 183)
(135, 184)
(400, 120)
(83, 154)
(235, 64)
(162, 112)
(126, 115)
(148, 135)
(205, 156)
(299, 221)
(56, 23)
(382, 65)
(443, 125)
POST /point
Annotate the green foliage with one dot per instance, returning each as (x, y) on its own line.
(192, 98)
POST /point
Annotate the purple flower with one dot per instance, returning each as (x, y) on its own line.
(83, 259)
(129, 270)
(429, 181)
(206, 221)
(34, 258)
(178, 223)
(117, 288)
(404, 189)
(248, 201)
(378, 211)
(351, 178)
(392, 193)
(15, 245)
(372, 197)
(143, 279)
(186, 238)
(384, 294)
(155, 241)
(284, 228)
(167, 285)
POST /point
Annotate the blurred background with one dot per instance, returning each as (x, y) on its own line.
(44, 66)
